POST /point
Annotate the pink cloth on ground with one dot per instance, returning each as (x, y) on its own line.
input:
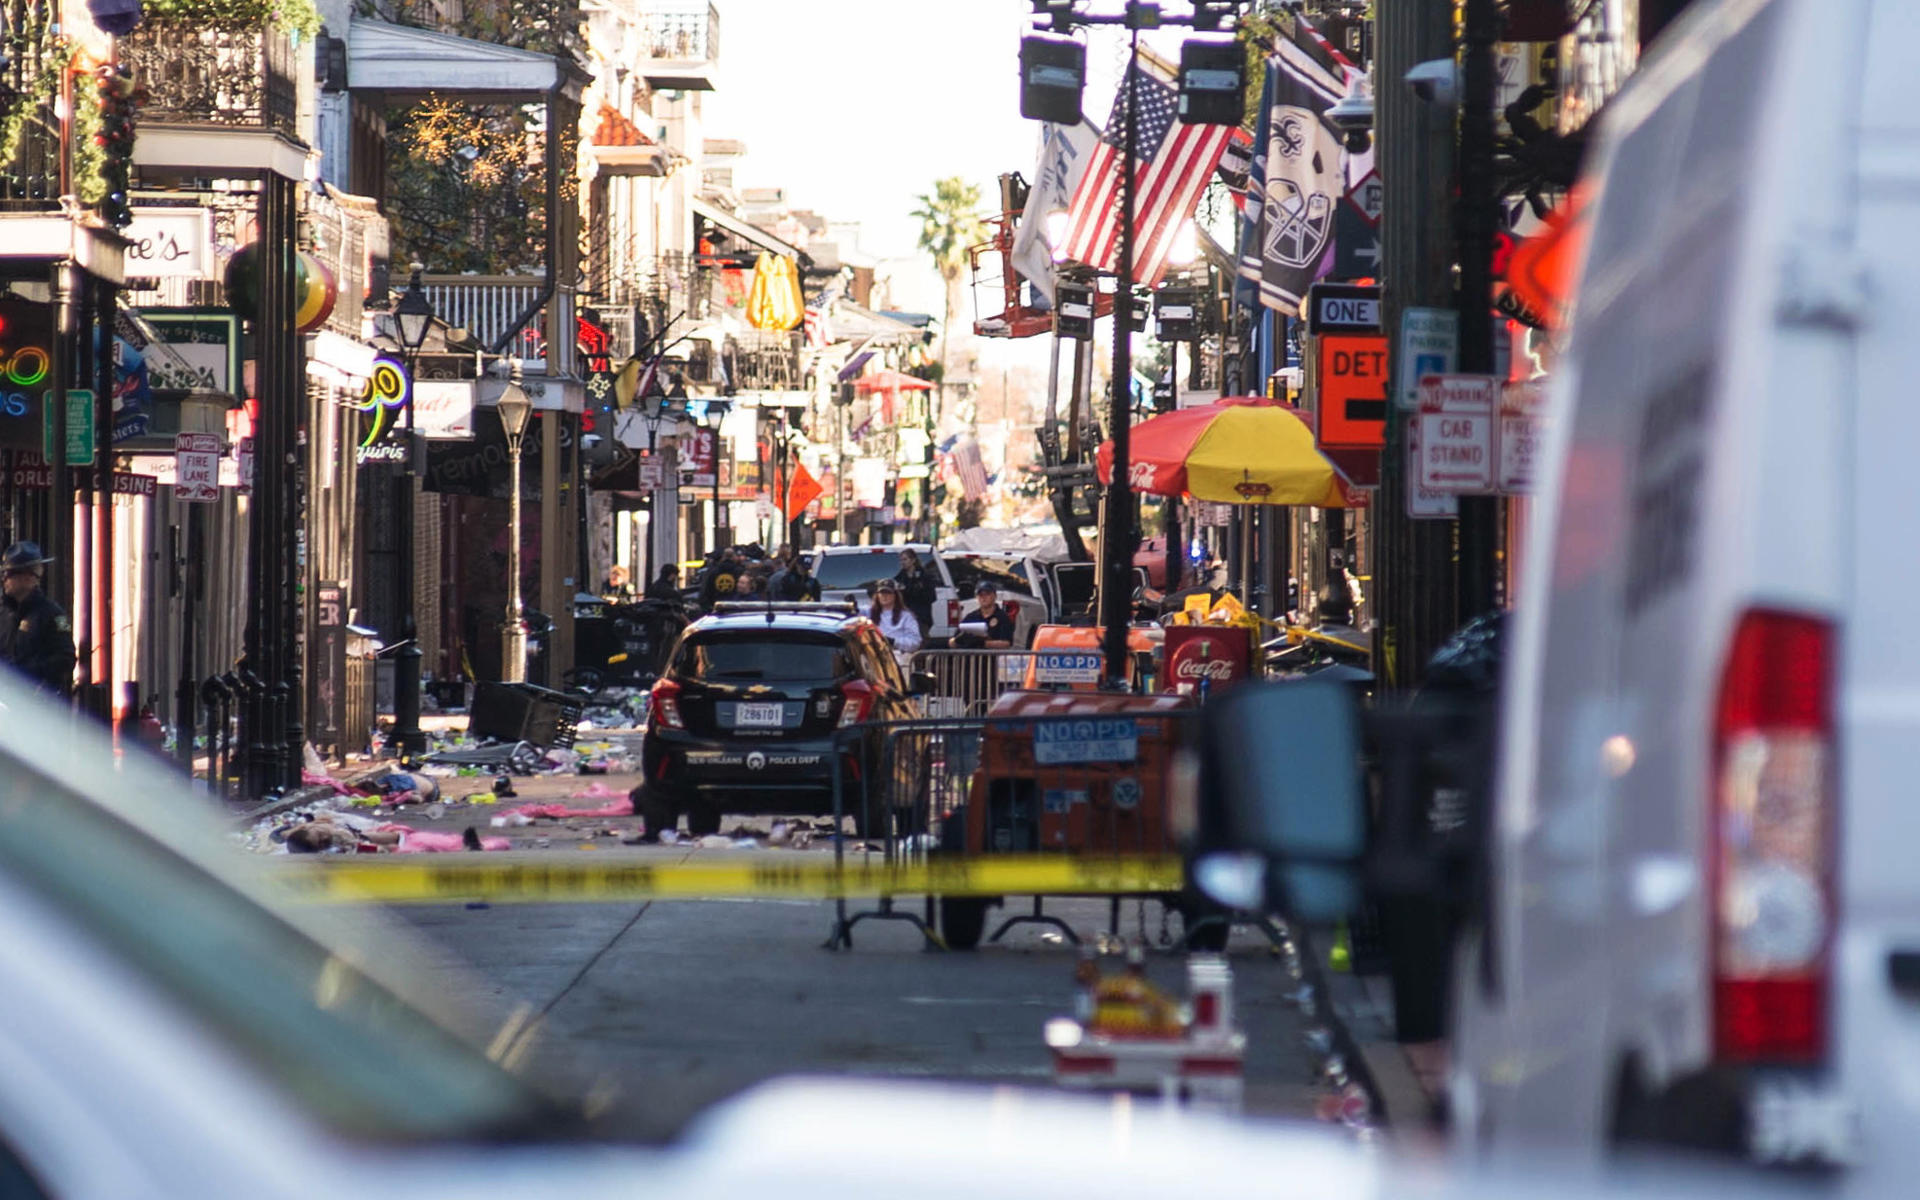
(415, 842)
(620, 808)
(599, 791)
(310, 779)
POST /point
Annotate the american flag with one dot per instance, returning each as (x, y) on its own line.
(1175, 161)
(972, 472)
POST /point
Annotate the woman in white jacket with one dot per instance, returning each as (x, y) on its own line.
(897, 625)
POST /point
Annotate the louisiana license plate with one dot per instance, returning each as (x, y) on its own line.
(763, 716)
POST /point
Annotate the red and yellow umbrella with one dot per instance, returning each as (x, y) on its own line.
(1237, 450)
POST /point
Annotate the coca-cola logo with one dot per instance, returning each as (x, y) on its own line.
(1219, 670)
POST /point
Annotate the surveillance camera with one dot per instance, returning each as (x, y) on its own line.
(1351, 117)
(1437, 81)
(1351, 112)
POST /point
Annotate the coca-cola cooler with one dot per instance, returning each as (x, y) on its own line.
(1202, 658)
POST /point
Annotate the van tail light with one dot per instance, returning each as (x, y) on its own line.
(1773, 840)
(855, 703)
(953, 613)
(664, 709)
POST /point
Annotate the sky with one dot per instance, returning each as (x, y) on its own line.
(857, 106)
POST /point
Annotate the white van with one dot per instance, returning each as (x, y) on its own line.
(1705, 910)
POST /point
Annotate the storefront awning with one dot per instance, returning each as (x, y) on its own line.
(401, 62)
(715, 215)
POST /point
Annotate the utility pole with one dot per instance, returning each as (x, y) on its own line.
(1414, 600)
(1116, 518)
(1479, 200)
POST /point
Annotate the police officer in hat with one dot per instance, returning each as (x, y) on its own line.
(36, 638)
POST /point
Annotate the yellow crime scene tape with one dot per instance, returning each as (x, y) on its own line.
(445, 882)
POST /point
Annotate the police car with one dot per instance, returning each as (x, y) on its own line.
(744, 718)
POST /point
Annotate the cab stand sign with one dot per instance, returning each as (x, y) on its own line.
(1476, 435)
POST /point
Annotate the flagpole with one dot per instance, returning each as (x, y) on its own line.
(1116, 525)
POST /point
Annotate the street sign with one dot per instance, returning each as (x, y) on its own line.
(1520, 431)
(1456, 432)
(32, 474)
(1352, 378)
(1093, 740)
(1356, 245)
(79, 427)
(1343, 308)
(196, 467)
(652, 472)
(1425, 504)
(1429, 345)
(1368, 197)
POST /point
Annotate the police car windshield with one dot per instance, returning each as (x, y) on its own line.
(759, 657)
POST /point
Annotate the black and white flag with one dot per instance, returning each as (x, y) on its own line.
(1299, 178)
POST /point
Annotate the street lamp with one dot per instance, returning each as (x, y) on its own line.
(515, 411)
(412, 317)
(716, 412)
(656, 406)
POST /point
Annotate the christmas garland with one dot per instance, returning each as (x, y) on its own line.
(33, 104)
(33, 107)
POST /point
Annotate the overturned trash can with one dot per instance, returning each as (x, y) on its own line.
(524, 712)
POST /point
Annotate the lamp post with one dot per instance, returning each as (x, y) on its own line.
(515, 411)
(412, 317)
(716, 412)
(1211, 86)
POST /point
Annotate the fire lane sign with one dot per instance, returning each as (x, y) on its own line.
(1456, 421)
(196, 467)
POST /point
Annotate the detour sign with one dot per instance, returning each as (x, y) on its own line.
(1353, 391)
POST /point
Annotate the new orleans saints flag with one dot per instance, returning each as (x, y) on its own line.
(1298, 178)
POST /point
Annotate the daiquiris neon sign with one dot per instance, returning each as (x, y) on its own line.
(24, 369)
(384, 401)
(25, 361)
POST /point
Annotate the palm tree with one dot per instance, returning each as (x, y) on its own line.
(949, 224)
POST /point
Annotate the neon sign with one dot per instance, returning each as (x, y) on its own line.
(25, 362)
(386, 394)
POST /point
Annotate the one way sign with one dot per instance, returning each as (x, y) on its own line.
(1356, 245)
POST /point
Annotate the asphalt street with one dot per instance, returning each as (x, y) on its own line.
(678, 1004)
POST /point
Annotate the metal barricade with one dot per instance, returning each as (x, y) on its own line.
(967, 682)
(947, 791)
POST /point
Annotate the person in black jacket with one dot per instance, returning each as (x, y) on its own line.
(917, 590)
(36, 637)
(797, 581)
(665, 585)
(721, 580)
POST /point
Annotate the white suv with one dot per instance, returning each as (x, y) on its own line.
(850, 572)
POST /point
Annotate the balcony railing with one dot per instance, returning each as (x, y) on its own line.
(31, 180)
(681, 30)
(766, 361)
(198, 74)
(487, 307)
(673, 286)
